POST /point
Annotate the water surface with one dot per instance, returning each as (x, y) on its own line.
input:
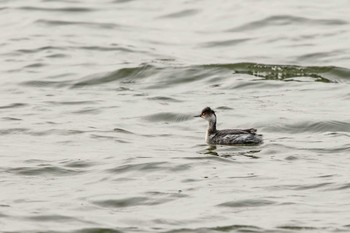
(97, 100)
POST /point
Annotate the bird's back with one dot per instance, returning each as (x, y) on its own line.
(234, 137)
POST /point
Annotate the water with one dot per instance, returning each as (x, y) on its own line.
(97, 100)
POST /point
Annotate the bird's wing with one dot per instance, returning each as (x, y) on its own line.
(235, 131)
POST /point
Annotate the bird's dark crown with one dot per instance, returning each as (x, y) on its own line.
(207, 111)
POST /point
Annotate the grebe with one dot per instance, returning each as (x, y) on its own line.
(228, 136)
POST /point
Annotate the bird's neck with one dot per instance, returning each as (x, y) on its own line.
(212, 125)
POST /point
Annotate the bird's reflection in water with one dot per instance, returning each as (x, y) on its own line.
(228, 153)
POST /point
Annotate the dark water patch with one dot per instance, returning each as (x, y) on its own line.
(14, 105)
(312, 186)
(120, 130)
(140, 94)
(224, 43)
(317, 56)
(157, 77)
(121, 141)
(181, 167)
(340, 187)
(282, 20)
(255, 84)
(52, 123)
(122, 203)
(171, 195)
(121, 1)
(323, 150)
(78, 164)
(82, 102)
(168, 117)
(57, 23)
(99, 230)
(339, 74)
(212, 158)
(155, 199)
(291, 158)
(35, 65)
(46, 83)
(326, 176)
(88, 110)
(165, 99)
(273, 149)
(152, 166)
(191, 180)
(35, 161)
(172, 76)
(121, 89)
(238, 228)
(61, 75)
(16, 39)
(149, 167)
(58, 9)
(125, 74)
(104, 137)
(301, 187)
(107, 48)
(249, 176)
(307, 126)
(52, 218)
(39, 49)
(181, 14)
(43, 170)
(55, 132)
(223, 108)
(247, 203)
(301, 228)
(158, 135)
(3, 215)
(228, 228)
(13, 131)
(57, 55)
(87, 230)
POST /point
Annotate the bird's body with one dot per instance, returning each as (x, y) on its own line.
(228, 136)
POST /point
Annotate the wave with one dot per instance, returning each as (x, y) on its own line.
(278, 20)
(153, 77)
(310, 126)
(159, 77)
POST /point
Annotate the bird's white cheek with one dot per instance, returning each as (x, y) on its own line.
(212, 118)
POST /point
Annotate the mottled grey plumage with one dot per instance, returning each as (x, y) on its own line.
(227, 136)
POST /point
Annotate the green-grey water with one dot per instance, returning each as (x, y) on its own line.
(97, 100)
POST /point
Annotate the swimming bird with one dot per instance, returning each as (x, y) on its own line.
(227, 136)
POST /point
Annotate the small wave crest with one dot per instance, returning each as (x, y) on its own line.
(167, 77)
(310, 126)
(168, 117)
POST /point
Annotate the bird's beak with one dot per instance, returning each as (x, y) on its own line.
(197, 116)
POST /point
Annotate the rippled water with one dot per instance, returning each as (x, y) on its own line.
(96, 108)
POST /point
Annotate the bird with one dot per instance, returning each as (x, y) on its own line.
(228, 136)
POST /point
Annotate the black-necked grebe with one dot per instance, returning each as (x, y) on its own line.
(228, 136)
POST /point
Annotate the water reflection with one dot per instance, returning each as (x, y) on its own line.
(231, 151)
